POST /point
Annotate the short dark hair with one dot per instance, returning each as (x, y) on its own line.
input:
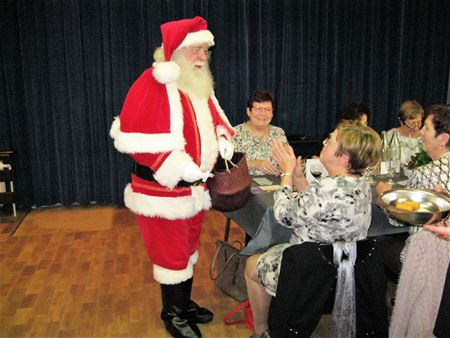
(261, 96)
(441, 118)
(354, 110)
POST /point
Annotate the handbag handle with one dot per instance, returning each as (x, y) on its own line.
(213, 262)
(238, 308)
(231, 162)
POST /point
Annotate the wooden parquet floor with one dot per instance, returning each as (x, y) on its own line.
(98, 283)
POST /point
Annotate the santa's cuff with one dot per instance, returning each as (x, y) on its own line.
(168, 276)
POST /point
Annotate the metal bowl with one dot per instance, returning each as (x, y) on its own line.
(433, 205)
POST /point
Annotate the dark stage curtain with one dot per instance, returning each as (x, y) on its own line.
(66, 66)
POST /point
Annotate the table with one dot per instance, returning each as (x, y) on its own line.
(260, 205)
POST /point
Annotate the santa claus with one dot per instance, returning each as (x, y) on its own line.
(172, 126)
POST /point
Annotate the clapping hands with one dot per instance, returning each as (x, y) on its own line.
(284, 156)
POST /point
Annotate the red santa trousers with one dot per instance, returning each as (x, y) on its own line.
(170, 243)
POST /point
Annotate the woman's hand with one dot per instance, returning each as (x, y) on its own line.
(284, 156)
(381, 187)
(438, 188)
(441, 228)
(263, 165)
(298, 170)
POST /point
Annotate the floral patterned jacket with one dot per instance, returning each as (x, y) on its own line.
(255, 148)
(329, 210)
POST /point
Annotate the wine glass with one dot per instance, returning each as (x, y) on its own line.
(391, 167)
(316, 171)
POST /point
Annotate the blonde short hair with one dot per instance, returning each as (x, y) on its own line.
(360, 143)
(409, 109)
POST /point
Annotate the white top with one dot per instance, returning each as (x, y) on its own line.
(409, 146)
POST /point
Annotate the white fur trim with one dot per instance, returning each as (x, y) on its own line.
(170, 172)
(196, 38)
(131, 143)
(194, 258)
(115, 127)
(220, 110)
(208, 140)
(167, 207)
(167, 276)
(166, 72)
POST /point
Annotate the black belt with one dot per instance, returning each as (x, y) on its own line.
(147, 174)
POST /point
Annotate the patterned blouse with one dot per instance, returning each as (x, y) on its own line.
(431, 174)
(428, 177)
(256, 148)
(329, 210)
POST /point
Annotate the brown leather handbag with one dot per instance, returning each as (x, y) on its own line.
(227, 270)
(230, 187)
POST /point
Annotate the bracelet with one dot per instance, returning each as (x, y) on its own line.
(285, 174)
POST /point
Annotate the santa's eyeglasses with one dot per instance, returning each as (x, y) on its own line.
(197, 50)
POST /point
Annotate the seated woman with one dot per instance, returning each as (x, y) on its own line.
(355, 111)
(436, 173)
(253, 138)
(426, 260)
(410, 117)
(335, 208)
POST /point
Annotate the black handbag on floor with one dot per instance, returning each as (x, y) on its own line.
(227, 270)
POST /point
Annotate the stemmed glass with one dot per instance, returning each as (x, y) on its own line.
(316, 171)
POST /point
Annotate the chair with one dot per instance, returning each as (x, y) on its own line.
(6, 176)
(306, 290)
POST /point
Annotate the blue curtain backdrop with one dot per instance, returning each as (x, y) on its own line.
(66, 66)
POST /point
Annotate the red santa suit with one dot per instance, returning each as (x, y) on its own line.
(164, 129)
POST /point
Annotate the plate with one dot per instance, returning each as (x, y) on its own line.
(433, 205)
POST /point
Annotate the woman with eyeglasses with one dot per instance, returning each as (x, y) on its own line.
(425, 257)
(334, 208)
(410, 117)
(254, 137)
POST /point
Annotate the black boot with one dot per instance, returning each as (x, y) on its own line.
(201, 315)
(179, 322)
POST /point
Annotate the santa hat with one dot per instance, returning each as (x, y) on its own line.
(176, 35)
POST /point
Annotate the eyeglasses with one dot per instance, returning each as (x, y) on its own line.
(413, 125)
(262, 109)
(197, 50)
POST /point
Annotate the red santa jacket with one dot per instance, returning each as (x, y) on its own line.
(164, 129)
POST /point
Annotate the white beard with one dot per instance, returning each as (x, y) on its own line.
(193, 80)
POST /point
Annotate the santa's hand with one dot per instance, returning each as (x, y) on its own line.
(226, 148)
(192, 173)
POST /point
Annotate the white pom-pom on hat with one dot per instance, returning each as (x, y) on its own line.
(166, 72)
